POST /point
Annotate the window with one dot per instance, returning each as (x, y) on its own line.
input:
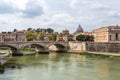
(109, 37)
(116, 36)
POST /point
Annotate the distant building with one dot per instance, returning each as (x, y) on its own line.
(46, 38)
(86, 33)
(15, 36)
(107, 34)
(78, 31)
(43, 30)
(21, 35)
(65, 36)
(60, 37)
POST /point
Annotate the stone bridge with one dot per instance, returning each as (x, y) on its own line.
(40, 46)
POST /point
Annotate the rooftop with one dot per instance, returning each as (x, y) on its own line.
(79, 30)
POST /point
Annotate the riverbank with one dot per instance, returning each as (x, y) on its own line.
(2, 69)
(99, 53)
(105, 53)
(82, 52)
(74, 51)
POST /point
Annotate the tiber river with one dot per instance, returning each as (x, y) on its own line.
(61, 66)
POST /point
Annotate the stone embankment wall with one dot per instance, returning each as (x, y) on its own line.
(75, 46)
(94, 47)
(103, 47)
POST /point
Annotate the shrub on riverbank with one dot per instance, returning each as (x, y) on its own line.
(28, 50)
(91, 54)
(94, 55)
(2, 69)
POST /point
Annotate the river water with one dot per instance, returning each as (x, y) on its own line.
(61, 66)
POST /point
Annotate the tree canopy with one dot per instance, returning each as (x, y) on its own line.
(85, 38)
(30, 36)
(49, 30)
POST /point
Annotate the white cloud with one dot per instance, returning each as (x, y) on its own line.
(115, 14)
(62, 18)
(22, 14)
(9, 22)
(25, 8)
(93, 4)
(18, 3)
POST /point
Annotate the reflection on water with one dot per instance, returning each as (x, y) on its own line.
(57, 66)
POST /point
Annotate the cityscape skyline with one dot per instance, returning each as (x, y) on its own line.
(58, 15)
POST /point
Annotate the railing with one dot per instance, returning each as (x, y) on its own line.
(31, 41)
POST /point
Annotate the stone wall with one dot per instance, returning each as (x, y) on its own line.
(94, 47)
(77, 46)
(103, 47)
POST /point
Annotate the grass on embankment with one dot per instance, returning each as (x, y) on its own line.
(2, 69)
(94, 55)
(28, 50)
(91, 54)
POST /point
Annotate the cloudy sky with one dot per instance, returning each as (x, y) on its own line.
(58, 14)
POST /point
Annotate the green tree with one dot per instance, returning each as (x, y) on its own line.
(15, 30)
(80, 38)
(9, 32)
(38, 30)
(40, 35)
(54, 36)
(91, 38)
(50, 37)
(30, 36)
(49, 30)
(29, 29)
(4, 32)
(85, 38)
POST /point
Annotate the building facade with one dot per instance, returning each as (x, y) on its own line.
(15, 36)
(107, 34)
(65, 36)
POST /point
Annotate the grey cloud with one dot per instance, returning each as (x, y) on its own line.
(3, 23)
(32, 10)
(6, 8)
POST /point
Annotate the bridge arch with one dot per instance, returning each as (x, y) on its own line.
(32, 44)
(57, 47)
(37, 47)
(40, 46)
(13, 49)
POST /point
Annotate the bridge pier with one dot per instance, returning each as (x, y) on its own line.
(61, 49)
(17, 52)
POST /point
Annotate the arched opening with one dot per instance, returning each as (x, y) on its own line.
(39, 48)
(33, 49)
(8, 49)
(28, 49)
(4, 49)
(57, 48)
